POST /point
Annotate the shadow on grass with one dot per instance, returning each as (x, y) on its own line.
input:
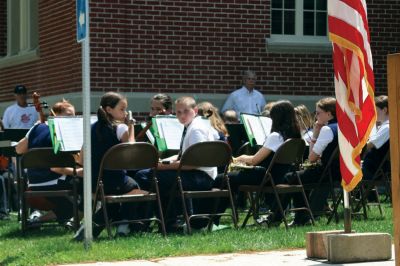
(8, 260)
(35, 233)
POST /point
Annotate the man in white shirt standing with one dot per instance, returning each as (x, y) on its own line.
(246, 99)
(20, 115)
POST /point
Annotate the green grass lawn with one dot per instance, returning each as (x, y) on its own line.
(52, 245)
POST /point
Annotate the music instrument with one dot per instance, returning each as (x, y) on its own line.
(39, 106)
(235, 165)
(309, 165)
(141, 135)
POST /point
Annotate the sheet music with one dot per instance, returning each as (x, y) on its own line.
(254, 123)
(69, 131)
(171, 130)
(266, 123)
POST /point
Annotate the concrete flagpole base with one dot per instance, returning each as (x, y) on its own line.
(359, 247)
(339, 247)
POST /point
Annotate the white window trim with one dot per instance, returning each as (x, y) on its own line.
(26, 53)
(298, 43)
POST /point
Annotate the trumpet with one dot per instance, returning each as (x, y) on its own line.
(236, 165)
(310, 165)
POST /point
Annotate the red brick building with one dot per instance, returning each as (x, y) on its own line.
(196, 47)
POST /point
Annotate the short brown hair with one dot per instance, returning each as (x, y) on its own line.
(381, 101)
(187, 100)
(60, 107)
(328, 105)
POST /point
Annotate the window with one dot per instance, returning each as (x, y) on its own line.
(22, 32)
(298, 25)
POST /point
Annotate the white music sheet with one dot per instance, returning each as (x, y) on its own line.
(171, 130)
(266, 123)
(256, 128)
(69, 131)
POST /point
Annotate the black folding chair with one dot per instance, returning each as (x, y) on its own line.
(381, 178)
(129, 156)
(290, 153)
(328, 180)
(206, 154)
(44, 158)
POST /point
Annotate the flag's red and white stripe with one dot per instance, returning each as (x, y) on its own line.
(354, 83)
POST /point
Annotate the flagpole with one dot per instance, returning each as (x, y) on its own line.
(347, 212)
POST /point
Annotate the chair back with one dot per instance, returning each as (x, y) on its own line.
(128, 156)
(290, 152)
(327, 170)
(380, 171)
(207, 154)
(45, 158)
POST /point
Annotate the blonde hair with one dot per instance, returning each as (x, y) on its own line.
(304, 117)
(208, 110)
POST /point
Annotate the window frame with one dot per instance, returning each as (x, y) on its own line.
(24, 46)
(298, 42)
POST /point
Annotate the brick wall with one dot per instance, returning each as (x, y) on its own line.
(196, 46)
(384, 23)
(59, 69)
(3, 27)
(201, 46)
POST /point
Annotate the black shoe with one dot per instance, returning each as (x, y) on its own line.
(80, 234)
(33, 223)
(268, 221)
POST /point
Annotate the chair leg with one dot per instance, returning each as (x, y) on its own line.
(106, 221)
(364, 194)
(24, 215)
(378, 201)
(75, 205)
(234, 214)
(160, 210)
(184, 210)
(251, 209)
(308, 206)
(278, 200)
(334, 213)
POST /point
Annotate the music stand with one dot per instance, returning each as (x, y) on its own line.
(7, 137)
(237, 136)
(15, 134)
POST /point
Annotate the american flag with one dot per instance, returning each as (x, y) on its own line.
(354, 83)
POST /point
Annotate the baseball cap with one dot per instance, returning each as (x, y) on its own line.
(20, 89)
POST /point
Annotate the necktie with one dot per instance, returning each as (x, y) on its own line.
(181, 145)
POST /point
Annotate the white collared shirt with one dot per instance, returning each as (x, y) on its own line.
(244, 101)
(381, 136)
(197, 132)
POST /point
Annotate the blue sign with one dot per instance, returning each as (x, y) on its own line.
(81, 20)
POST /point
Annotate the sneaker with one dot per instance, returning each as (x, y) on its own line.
(123, 230)
(268, 221)
(35, 215)
(69, 224)
(80, 234)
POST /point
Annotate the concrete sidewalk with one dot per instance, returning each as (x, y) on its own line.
(273, 258)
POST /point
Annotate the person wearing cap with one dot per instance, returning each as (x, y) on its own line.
(20, 115)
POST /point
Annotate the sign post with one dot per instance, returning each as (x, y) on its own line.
(82, 31)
